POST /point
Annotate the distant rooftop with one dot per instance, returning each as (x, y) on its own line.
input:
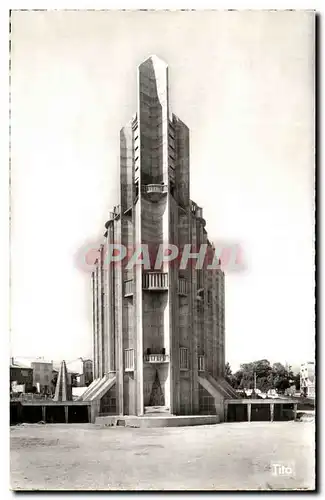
(22, 362)
(16, 365)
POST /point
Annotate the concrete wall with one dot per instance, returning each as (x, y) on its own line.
(130, 394)
(207, 402)
(108, 403)
(154, 316)
(126, 167)
(128, 322)
(185, 407)
(182, 170)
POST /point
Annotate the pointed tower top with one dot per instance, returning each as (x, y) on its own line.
(155, 60)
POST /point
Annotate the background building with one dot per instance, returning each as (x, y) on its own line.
(82, 370)
(42, 375)
(307, 379)
(21, 377)
(159, 335)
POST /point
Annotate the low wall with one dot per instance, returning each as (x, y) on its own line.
(260, 411)
(52, 413)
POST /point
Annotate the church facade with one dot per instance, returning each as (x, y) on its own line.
(158, 327)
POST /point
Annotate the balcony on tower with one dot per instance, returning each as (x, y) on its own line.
(155, 281)
(155, 191)
(156, 356)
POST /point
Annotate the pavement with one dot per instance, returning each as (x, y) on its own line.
(229, 456)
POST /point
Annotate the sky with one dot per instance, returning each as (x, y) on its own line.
(243, 82)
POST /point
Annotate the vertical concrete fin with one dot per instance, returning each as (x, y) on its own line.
(63, 389)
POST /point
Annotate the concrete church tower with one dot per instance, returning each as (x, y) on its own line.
(159, 335)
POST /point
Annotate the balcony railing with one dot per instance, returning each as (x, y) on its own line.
(155, 281)
(155, 188)
(182, 286)
(201, 363)
(129, 360)
(196, 210)
(128, 288)
(156, 358)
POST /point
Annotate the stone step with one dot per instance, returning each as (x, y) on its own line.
(156, 411)
(148, 422)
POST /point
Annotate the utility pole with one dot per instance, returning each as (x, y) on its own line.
(254, 390)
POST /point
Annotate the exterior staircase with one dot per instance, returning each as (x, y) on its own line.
(210, 388)
(98, 388)
(89, 389)
(223, 387)
(219, 389)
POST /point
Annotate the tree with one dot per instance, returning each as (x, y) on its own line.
(268, 376)
(296, 381)
(228, 372)
(283, 376)
(263, 370)
(230, 378)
